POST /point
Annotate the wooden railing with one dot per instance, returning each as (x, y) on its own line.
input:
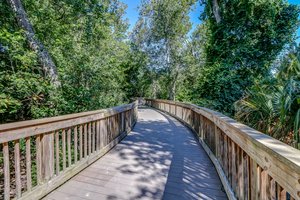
(251, 165)
(40, 155)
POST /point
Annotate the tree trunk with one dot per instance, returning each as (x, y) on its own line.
(172, 91)
(216, 10)
(172, 87)
(45, 59)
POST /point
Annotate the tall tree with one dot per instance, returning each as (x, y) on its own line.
(164, 24)
(244, 39)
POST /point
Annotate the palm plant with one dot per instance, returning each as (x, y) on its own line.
(273, 106)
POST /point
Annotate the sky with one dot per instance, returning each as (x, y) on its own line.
(132, 13)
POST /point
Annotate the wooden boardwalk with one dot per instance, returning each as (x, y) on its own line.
(160, 159)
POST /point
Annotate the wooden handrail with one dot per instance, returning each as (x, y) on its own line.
(55, 149)
(251, 165)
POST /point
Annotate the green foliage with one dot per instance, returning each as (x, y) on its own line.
(25, 94)
(86, 39)
(273, 105)
(243, 45)
(99, 67)
(161, 32)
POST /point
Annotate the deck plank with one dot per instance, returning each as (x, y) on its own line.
(160, 159)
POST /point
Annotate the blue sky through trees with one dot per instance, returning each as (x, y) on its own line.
(132, 13)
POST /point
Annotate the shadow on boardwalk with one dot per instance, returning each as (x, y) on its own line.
(160, 159)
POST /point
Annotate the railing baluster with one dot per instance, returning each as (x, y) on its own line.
(6, 171)
(103, 132)
(229, 160)
(28, 164)
(46, 160)
(57, 166)
(69, 147)
(17, 168)
(75, 145)
(241, 174)
(90, 137)
(265, 185)
(93, 137)
(234, 167)
(246, 176)
(273, 189)
(253, 179)
(80, 143)
(98, 136)
(64, 149)
(38, 159)
(85, 140)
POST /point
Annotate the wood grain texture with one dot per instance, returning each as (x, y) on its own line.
(18, 130)
(6, 171)
(17, 168)
(57, 160)
(75, 144)
(38, 148)
(47, 147)
(69, 145)
(85, 145)
(57, 156)
(80, 142)
(64, 150)
(28, 165)
(143, 167)
(278, 158)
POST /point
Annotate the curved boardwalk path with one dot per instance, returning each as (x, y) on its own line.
(160, 159)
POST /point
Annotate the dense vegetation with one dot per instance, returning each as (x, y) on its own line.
(72, 55)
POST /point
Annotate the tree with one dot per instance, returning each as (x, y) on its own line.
(244, 39)
(162, 32)
(45, 59)
(273, 105)
(86, 40)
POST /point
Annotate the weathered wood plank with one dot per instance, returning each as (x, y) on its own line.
(69, 145)
(28, 164)
(246, 176)
(98, 135)
(64, 149)
(47, 144)
(93, 136)
(80, 142)
(265, 150)
(6, 171)
(228, 157)
(225, 155)
(103, 133)
(85, 145)
(38, 159)
(17, 168)
(273, 190)
(89, 138)
(18, 130)
(108, 175)
(265, 185)
(75, 144)
(241, 174)
(41, 190)
(253, 180)
(57, 160)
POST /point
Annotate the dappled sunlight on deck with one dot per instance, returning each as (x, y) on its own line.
(160, 159)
